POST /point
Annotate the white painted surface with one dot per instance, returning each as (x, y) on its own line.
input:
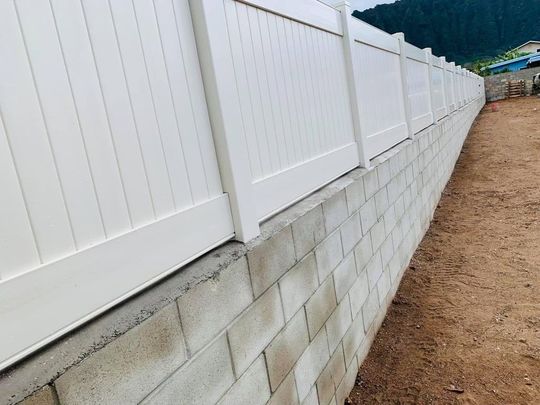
(292, 89)
(377, 65)
(108, 170)
(104, 137)
(418, 88)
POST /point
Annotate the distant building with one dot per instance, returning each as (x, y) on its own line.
(513, 65)
(530, 47)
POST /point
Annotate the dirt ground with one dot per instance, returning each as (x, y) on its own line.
(467, 314)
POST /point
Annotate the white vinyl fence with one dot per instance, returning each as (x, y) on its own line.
(137, 135)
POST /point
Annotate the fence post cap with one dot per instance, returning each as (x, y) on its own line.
(341, 4)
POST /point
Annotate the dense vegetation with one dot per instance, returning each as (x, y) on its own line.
(463, 30)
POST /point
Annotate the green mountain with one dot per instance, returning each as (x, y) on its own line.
(462, 30)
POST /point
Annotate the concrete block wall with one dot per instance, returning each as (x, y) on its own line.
(496, 84)
(287, 319)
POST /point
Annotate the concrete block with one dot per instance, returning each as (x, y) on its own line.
(409, 174)
(358, 293)
(347, 384)
(308, 231)
(351, 233)
(356, 195)
(378, 234)
(329, 253)
(390, 220)
(44, 396)
(368, 215)
(393, 190)
(202, 381)
(298, 285)
(394, 267)
(311, 398)
(383, 286)
(210, 306)
(395, 164)
(331, 376)
(399, 207)
(369, 310)
(353, 337)
(286, 348)
(383, 173)
(270, 260)
(338, 323)
(255, 328)
(311, 363)
(320, 306)
(251, 388)
(335, 211)
(286, 392)
(381, 201)
(344, 276)
(397, 235)
(130, 367)
(362, 253)
(387, 250)
(371, 183)
(401, 182)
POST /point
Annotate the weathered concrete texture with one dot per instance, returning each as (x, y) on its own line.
(496, 84)
(286, 318)
(130, 367)
(44, 396)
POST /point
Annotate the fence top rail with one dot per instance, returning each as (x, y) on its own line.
(309, 12)
(368, 34)
(415, 53)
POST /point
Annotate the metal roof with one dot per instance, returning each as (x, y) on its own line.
(510, 61)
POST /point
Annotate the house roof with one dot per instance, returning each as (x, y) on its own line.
(527, 43)
(510, 61)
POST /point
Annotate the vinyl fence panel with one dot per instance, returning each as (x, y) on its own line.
(108, 169)
(379, 87)
(438, 88)
(418, 87)
(449, 86)
(296, 120)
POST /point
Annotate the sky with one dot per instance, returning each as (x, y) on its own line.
(364, 4)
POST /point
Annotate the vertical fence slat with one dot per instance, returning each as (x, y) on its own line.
(93, 118)
(24, 126)
(61, 120)
(118, 103)
(18, 250)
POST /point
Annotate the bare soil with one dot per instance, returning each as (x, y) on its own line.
(467, 314)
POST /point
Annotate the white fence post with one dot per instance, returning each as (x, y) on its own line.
(429, 59)
(454, 87)
(403, 68)
(224, 107)
(348, 44)
(444, 86)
